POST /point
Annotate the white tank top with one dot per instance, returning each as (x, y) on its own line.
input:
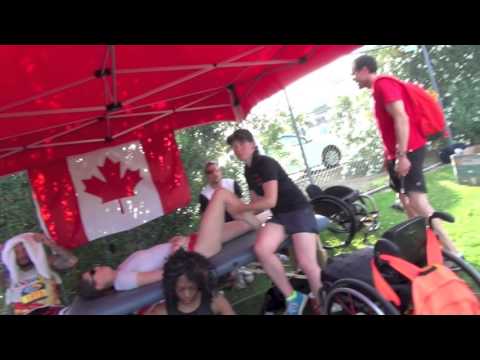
(228, 184)
(141, 261)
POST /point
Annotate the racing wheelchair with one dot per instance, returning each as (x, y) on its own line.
(348, 283)
(349, 212)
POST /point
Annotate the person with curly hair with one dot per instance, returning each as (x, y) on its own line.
(190, 288)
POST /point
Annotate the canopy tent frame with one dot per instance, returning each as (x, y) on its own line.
(119, 112)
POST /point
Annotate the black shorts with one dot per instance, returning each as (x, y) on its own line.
(297, 221)
(414, 181)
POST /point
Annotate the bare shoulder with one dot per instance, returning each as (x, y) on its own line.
(221, 306)
(159, 309)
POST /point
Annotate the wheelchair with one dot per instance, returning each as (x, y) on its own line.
(348, 284)
(349, 212)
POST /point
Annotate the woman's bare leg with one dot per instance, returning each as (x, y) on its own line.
(213, 231)
(305, 245)
(268, 240)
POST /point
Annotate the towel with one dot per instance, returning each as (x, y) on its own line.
(35, 251)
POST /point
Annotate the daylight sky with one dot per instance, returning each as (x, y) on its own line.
(318, 88)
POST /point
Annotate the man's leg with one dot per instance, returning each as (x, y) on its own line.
(268, 240)
(416, 188)
(420, 203)
(213, 231)
(409, 210)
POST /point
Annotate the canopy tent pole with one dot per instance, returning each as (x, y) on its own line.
(295, 127)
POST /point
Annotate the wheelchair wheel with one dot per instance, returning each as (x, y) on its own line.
(342, 227)
(465, 271)
(355, 297)
(367, 211)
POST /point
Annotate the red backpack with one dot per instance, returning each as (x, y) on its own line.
(428, 110)
(436, 290)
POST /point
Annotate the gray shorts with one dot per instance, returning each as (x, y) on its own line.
(297, 221)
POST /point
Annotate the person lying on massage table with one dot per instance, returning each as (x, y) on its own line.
(189, 288)
(146, 266)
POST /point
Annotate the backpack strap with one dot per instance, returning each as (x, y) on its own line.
(382, 286)
(434, 251)
(404, 267)
(390, 77)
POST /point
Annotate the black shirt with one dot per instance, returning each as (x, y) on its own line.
(264, 169)
(205, 308)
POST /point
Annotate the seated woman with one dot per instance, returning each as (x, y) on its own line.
(189, 288)
(146, 266)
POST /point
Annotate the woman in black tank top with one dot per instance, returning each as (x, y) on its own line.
(190, 288)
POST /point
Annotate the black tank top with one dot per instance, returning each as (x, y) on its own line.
(205, 308)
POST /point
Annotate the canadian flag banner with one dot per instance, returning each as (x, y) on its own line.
(88, 196)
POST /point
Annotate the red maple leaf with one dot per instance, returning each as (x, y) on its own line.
(114, 187)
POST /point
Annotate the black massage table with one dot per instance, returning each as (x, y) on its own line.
(235, 254)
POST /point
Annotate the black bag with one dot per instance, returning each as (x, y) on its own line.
(354, 265)
(450, 150)
(274, 301)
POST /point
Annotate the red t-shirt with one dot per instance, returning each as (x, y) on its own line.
(387, 91)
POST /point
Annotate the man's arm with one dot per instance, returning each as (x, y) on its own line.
(238, 189)
(265, 202)
(397, 111)
(203, 203)
(62, 259)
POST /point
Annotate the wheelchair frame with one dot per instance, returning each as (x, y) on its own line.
(357, 297)
(348, 211)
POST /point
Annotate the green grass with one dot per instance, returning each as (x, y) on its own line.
(445, 194)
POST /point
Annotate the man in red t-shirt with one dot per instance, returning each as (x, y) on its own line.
(403, 141)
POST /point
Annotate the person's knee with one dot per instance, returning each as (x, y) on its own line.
(308, 264)
(221, 193)
(419, 202)
(263, 250)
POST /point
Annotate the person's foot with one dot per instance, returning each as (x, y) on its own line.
(296, 305)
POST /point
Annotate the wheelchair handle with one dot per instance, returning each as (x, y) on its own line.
(442, 216)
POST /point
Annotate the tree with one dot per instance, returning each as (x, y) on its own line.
(353, 121)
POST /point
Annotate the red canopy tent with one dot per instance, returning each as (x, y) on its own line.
(60, 100)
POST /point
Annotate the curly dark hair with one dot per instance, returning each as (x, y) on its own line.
(195, 267)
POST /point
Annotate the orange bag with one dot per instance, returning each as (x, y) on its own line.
(436, 290)
(429, 112)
